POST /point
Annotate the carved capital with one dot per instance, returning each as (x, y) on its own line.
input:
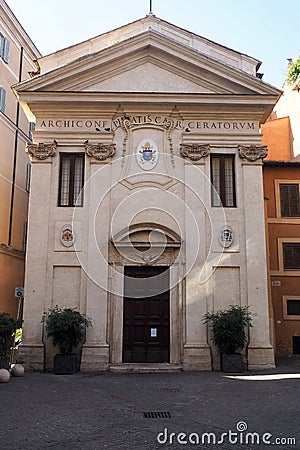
(100, 151)
(253, 152)
(40, 151)
(194, 151)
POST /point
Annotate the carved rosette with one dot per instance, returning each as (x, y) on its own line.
(40, 151)
(194, 152)
(253, 152)
(101, 152)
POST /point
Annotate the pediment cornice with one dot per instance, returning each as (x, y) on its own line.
(85, 104)
(174, 32)
(162, 51)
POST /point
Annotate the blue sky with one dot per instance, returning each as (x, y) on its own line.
(265, 29)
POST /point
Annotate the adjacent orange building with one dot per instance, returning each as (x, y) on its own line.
(281, 173)
(17, 55)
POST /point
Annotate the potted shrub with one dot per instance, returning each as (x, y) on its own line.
(229, 332)
(67, 328)
(8, 327)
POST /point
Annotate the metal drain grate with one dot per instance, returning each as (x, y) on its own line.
(157, 415)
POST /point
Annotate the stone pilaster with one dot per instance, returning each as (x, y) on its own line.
(31, 352)
(196, 352)
(95, 351)
(260, 351)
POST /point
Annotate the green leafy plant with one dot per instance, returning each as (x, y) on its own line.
(8, 327)
(18, 336)
(66, 327)
(293, 73)
(228, 328)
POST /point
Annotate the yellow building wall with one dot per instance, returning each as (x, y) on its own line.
(14, 132)
(11, 276)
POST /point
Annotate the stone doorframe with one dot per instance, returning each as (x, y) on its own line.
(131, 255)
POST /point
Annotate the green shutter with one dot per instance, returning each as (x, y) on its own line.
(5, 54)
(2, 99)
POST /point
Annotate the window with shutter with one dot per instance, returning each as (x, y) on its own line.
(291, 255)
(1, 45)
(289, 200)
(28, 177)
(4, 48)
(2, 99)
(25, 231)
(31, 129)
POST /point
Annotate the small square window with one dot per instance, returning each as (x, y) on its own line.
(291, 307)
(296, 345)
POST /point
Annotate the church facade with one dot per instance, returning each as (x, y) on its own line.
(146, 204)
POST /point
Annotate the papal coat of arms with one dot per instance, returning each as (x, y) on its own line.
(147, 154)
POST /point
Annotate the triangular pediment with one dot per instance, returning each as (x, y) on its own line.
(150, 77)
(148, 62)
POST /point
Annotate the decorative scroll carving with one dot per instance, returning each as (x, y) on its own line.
(100, 151)
(125, 127)
(253, 152)
(41, 151)
(194, 151)
(170, 129)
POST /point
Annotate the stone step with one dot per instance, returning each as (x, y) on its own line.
(144, 368)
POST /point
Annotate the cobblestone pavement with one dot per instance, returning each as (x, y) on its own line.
(98, 411)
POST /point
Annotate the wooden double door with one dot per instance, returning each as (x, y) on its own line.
(146, 332)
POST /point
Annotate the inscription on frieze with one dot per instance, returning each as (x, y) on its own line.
(188, 126)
